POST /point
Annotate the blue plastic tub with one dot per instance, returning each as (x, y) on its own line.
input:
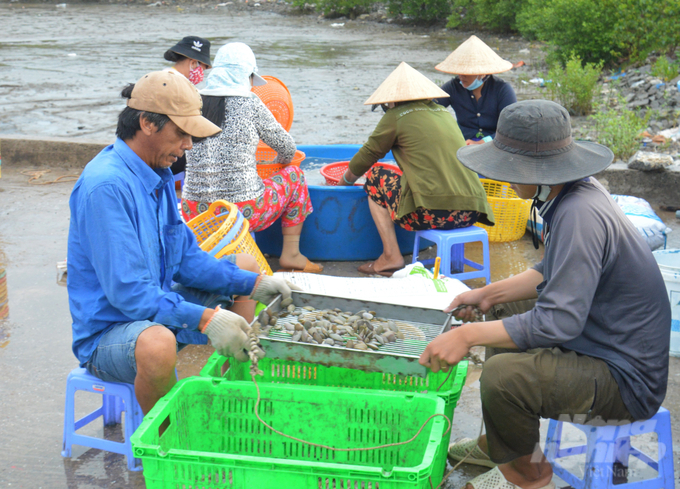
(341, 227)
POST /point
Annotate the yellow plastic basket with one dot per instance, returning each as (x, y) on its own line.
(244, 243)
(511, 212)
(214, 225)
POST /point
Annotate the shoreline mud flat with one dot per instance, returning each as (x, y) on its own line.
(63, 67)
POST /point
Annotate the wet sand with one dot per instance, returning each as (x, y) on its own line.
(46, 92)
(62, 69)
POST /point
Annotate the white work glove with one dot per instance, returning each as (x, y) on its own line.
(268, 287)
(228, 334)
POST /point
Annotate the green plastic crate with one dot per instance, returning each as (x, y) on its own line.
(290, 372)
(215, 441)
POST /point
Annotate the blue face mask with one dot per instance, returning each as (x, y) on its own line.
(474, 85)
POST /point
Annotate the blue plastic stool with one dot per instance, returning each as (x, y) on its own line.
(606, 445)
(451, 250)
(117, 398)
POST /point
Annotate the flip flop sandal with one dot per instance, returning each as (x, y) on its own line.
(310, 267)
(368, 269)
(494, 479)
(461, 448)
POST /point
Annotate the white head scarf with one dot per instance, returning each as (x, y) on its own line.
(230, 74)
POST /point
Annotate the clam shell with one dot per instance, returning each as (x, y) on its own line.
(286, 302)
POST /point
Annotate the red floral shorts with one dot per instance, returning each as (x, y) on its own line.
(384, 188)
(285, 196)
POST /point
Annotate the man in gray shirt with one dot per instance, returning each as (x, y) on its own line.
(595, 346)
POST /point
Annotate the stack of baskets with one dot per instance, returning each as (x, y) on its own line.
(222, 230)
(214, 439)
(511, 213)
(265, 153)
(276, 97)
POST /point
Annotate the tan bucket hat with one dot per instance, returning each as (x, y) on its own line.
(474, 57)
(405, 83)
(172, 94)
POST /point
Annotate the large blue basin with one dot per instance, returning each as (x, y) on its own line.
(341, 227)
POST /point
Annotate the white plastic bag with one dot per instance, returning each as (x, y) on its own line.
(645, 220)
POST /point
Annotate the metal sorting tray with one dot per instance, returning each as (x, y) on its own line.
(399, 358)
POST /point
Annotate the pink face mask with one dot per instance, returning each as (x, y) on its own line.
(196, 75)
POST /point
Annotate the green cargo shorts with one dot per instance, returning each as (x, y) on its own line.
(519, 388)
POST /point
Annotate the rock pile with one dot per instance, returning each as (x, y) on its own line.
(641, 92)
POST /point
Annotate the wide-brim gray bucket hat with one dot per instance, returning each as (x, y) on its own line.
(533, 146)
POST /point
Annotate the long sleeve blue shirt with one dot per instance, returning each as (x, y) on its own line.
(478, 116)
(126, 246)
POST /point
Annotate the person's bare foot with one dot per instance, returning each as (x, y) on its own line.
(525, 471)
(297, 261)
(383, 263)
(528, 479)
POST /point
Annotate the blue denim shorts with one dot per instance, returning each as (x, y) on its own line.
(114, 358)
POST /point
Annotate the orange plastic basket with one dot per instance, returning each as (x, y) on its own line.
(333, 172)
(277, 99)
(510, 212)
(213, 225)
(244, 243)
(265, 153)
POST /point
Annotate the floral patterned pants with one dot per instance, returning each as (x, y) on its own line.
(384, 188)
(285, 196)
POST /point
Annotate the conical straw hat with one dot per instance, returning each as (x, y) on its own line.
(405, 83)
(473, 57)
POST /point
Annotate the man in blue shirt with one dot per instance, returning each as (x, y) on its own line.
(127, 245)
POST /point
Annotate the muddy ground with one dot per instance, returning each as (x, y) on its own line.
(62, 68)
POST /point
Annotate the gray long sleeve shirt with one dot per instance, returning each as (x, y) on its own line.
(603, 296)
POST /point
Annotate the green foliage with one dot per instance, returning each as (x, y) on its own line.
(574, 85)
(338, 8)
(580, 27)
(421, 11)
(665, 69)
(493, 15)
(613, 31)
(619, 128)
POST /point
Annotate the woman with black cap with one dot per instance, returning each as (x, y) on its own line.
(191, 56)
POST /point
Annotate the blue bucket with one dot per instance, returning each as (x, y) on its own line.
(341, 227)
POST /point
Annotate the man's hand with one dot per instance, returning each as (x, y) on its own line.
(475, 297)
(268, 287)
(445, 350)
(228, 334)
(470, 142)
